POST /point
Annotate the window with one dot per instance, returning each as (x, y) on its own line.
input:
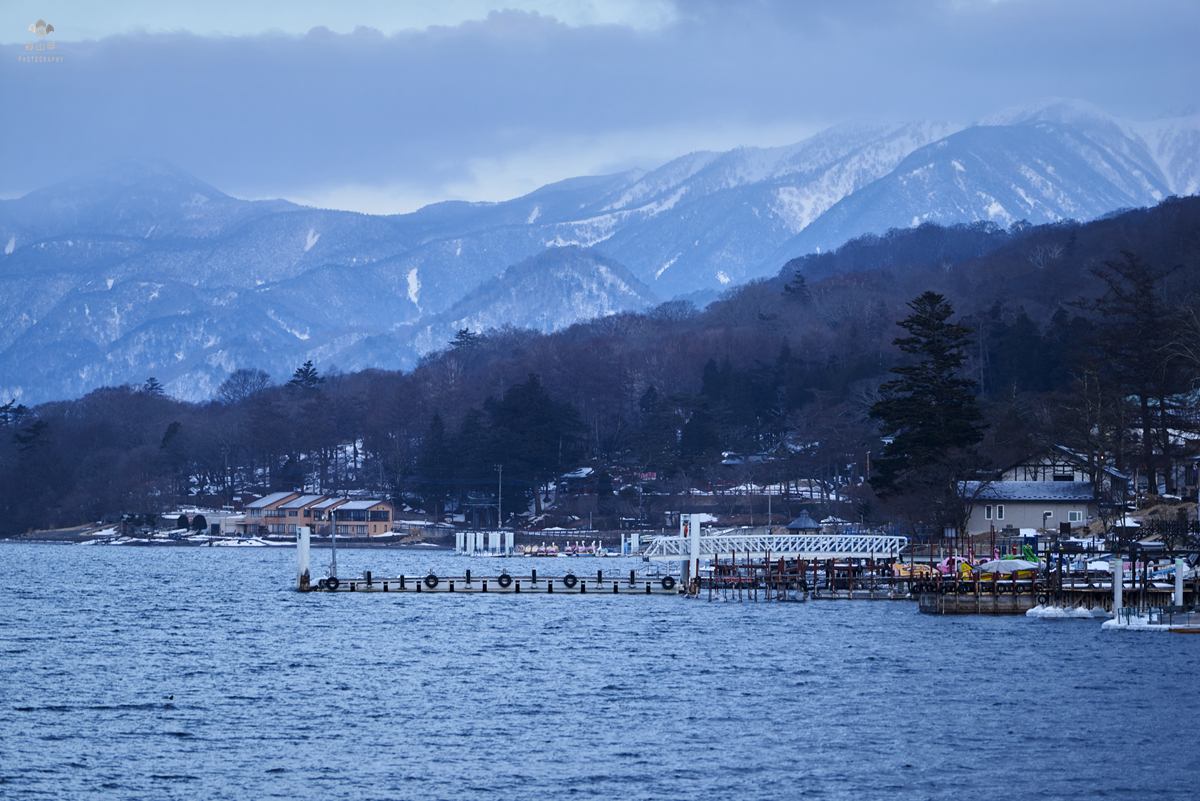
(274, 513)
(999, 511)
(1074, 517)
(987, 512)
(308, 512)
(292, 513)
(380, 516)
(1047, 515)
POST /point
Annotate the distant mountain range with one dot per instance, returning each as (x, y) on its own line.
(140, 269)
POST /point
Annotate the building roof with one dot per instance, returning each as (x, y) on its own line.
(1078, 459)
(352, 505)
(301, 502)
(803, 523)
(1050, 491)
(274, 497)
(329, 503)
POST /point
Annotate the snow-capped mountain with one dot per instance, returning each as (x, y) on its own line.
(140, 269)
(1052, 161)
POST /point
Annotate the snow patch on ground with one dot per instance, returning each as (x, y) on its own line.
(294, 332)
(663, 269)
(110, 282)
(533, 215)
(723, 278)
(414, 285)
(313, 236)
(12, 244)
(147, 236)
(994, 210)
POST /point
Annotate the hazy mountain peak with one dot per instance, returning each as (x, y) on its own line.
(1049, 109)
(130, 176)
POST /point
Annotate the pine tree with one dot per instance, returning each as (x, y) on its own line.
(152, 386)
(797, 288)
(930, 410)
(435, 466)
(465, 340)
(306, 376)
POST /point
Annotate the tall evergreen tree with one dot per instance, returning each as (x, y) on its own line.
(306, 376)
(435, 466)
(1137, 330)
(930, 410)
(533, 436)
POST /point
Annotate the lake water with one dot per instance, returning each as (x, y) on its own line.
(197, 673)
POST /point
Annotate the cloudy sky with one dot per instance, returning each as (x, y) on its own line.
(385, 106)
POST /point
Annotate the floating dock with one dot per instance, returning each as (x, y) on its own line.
(504, 583)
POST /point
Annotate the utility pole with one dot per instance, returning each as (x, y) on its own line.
(500, 497)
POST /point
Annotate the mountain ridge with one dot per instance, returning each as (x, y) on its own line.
(139, 268)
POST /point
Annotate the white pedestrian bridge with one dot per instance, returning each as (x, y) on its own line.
(760, 542)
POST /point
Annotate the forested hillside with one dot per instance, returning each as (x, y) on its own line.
(1084, 335)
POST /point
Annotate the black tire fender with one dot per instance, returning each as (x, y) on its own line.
(431, 581)
(668, 583)
(569, 580)
(332, 583)
(505, 580)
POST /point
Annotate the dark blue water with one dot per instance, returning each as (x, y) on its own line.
(198, 673)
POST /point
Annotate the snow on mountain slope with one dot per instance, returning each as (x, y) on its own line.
(139, 268)
(550, 291)
(1043, 163)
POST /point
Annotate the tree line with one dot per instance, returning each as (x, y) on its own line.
(1077, 334)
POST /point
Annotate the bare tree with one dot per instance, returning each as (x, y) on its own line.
(243, 384)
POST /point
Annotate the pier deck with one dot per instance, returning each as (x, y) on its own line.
(503, 584)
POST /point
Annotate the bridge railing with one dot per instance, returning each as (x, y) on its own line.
(758, 542)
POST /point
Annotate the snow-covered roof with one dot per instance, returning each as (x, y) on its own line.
(301, 502)
(274, 497)
(328, 503)
(1060, 491)
(352, 505)
(582, 472)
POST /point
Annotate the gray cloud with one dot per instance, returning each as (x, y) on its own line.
(497, 105)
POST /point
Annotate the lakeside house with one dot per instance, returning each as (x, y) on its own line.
(282, 513)
(1053, 486)
(1030, 505)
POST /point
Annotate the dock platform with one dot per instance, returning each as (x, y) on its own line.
(503, 584)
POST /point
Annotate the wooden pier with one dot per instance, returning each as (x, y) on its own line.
(503, 584)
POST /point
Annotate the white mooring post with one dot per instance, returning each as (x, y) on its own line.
(302, 575)
(510, 541)
(635, 544)
(460, 542)
(693, 548)
(1118, 574)
(1178, 582)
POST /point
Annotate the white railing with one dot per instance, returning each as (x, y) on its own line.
(758, 542)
